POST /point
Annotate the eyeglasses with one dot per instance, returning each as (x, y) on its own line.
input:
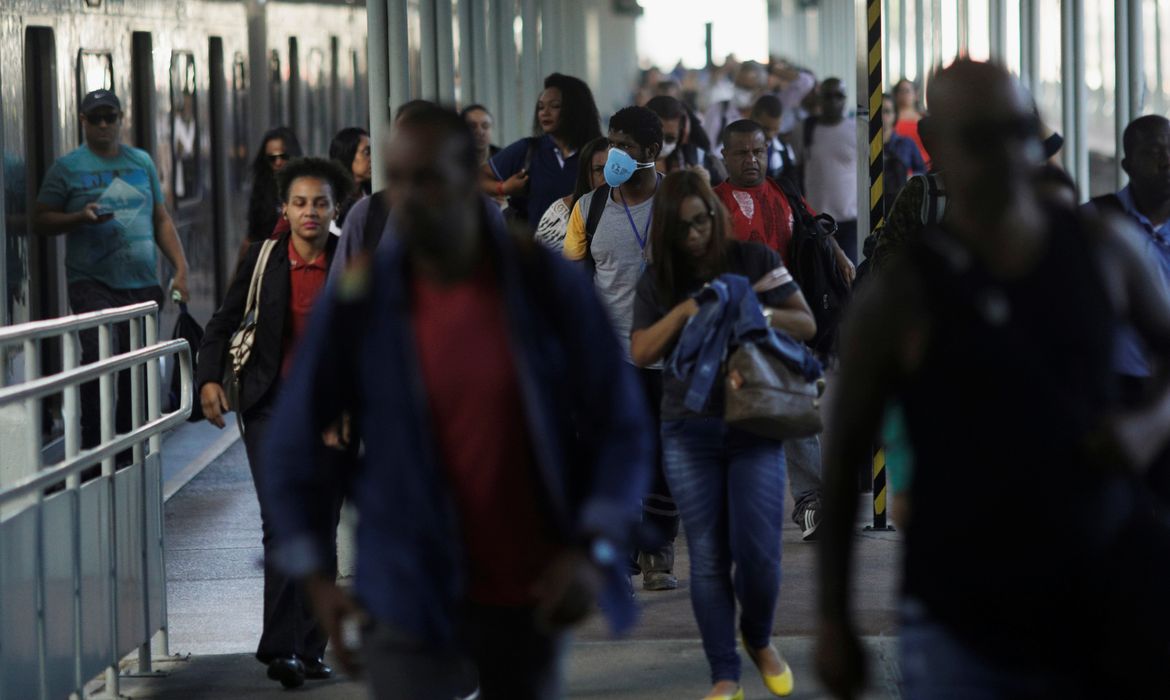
(700, 222)
(273, 157)
(103, 118)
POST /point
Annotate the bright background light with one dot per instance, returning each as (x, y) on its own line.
(670, 30)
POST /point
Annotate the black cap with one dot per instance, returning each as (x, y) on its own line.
(100, 98)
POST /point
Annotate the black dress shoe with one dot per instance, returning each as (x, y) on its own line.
(288, 670)
(317, 669)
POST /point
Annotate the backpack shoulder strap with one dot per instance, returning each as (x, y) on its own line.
(934, 202)
(530, 153)
(596, 209)
(376, 217)
(810, 125)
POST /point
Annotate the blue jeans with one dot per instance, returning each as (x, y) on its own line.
(729, 487)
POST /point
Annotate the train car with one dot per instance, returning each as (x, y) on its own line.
(199, 81)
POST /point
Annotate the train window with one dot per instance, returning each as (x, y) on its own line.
(239, 158)
(275, 104)
(95, 71)
(184, 126)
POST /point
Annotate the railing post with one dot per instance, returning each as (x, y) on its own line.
(153, 411)
(106, 386)
(71, 413)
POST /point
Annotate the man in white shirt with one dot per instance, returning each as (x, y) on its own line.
(828, 150)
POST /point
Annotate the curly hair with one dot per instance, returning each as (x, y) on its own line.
(640, 123)
(580, 121)
(330, 171)
(262, 207)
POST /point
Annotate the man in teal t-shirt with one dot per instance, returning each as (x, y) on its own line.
(107, 199)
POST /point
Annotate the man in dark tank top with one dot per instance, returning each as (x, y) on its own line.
(1033, 566)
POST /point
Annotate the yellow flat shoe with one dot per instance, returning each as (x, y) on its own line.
(780, 684)
(737, 696)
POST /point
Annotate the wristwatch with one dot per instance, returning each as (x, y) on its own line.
(768, 315)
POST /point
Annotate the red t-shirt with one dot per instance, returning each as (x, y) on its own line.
(759, 214)
(909, 129)
(477, 413)
(306, 280)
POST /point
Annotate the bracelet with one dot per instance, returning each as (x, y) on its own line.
(500, 189)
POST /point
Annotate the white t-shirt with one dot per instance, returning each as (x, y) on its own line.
(830, 169)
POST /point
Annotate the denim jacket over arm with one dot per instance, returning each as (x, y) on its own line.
(729, 315)
(359, 355)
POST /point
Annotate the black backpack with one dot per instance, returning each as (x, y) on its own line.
(813, 264)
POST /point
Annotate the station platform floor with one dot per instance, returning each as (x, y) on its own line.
(215, 585)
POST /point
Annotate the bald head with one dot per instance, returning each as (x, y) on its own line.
(969, 91)
(984, 137)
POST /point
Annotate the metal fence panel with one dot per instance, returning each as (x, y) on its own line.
(155, 570)
(95, 578)
(59, 614)
(128, 543)
(18, 607)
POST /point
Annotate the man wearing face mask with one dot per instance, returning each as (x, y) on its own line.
(677, 149)
(750, 80)
(476, 545)
(608, 231)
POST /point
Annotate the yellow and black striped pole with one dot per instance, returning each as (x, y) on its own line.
(876, 207)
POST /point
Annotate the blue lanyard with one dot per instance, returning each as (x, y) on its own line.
(641, 238)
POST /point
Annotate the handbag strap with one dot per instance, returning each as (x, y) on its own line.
(253, 303)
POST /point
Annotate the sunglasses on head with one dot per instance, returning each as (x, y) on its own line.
(273, 157)
(103, 118)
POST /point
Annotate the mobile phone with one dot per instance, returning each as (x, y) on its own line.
(104, 214)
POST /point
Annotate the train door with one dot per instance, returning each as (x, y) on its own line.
(47, 297)
(188, 157)
(142, 91)
(47, 292)
(217, 85)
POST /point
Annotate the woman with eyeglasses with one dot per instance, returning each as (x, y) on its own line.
(277, 148)
(728, 484)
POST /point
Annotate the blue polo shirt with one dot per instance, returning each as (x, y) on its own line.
(550, 176)
(1129, 352)
(120, 253)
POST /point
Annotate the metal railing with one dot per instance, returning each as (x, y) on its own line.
(82, 567)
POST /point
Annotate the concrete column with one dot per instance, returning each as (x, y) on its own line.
(398, 54)
(466, 57)
(1072, 54)
(509, 117)
(1121, 85)
(443, 41)
(554, 37)
(482, 74)
(920, 46)
(997, 36)
(378, 79)
(531, 80)
(1030, 45)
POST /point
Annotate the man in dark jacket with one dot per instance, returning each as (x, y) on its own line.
(502, 432)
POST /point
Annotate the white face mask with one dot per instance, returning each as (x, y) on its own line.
(667, 148)
(743, 98)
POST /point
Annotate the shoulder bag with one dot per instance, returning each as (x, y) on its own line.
(240, 346)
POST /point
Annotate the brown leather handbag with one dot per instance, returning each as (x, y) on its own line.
(767, 398)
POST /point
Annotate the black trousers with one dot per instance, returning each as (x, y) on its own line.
(90, 295)
(500, 649)
(659, 512)
(290, 629)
